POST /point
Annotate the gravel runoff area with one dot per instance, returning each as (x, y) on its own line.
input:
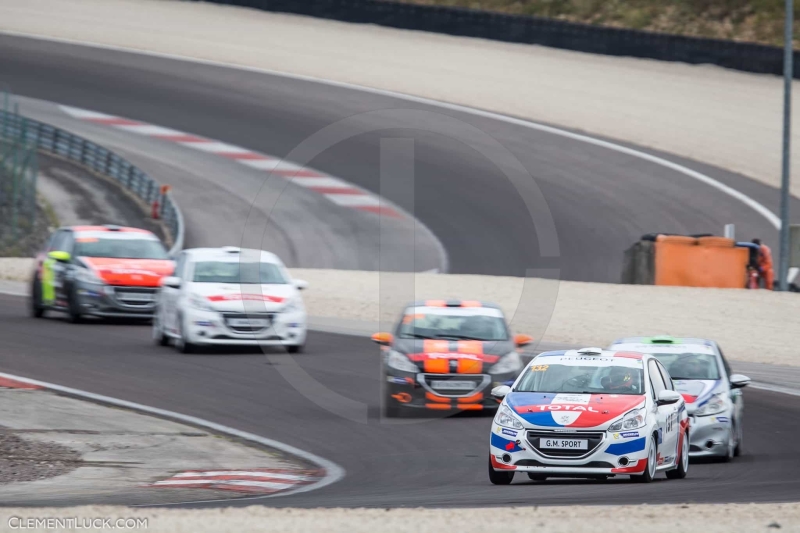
(29, 460)
(754, 326)
(730, 518)
(717, 116)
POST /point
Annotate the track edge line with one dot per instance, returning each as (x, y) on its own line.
(333, 472)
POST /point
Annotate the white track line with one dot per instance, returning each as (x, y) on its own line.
(725, 189)
(333, 472)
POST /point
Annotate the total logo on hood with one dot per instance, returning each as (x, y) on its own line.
(573, 410)
(130, 272)
(695, 390)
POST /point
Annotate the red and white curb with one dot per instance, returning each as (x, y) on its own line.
(334, 189)
(254, 480)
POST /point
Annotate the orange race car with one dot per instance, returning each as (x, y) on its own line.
(104, 271)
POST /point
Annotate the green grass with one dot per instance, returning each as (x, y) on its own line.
(758, 21)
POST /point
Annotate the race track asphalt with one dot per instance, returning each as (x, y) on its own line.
(600, 201)
(326, 401)
(416, 462)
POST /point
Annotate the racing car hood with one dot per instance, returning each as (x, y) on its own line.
(695, 391)
(130, 272)
(232, 297)
(549, 410)
(442, 356)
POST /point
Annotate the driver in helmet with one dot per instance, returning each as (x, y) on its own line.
(620, 379)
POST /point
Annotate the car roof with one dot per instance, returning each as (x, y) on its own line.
(593, 356)
(453, 303)
(232, 253)
(665, 344)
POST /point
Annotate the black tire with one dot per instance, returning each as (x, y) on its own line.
(180, 344)
(158, 333)
(536, 477)
(738, 450)
(73, 310)
(37, 309)
(730, 450)
(683, 461)
(500, 478)
(649, 473)
(295, 348)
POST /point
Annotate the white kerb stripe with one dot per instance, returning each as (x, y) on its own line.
(84, 113)
(273, 475)
(149, 129)
(216, 147)
(354, 200)
(269, 164)
(329, 182)
(238, 482)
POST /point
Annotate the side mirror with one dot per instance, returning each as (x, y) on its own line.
(171, 281)
(501, 391)
(522, 340)
(668, 397)
(384, 339)
(61, 257)
(738, 381)
(300, 284)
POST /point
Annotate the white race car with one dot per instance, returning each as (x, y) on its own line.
(712, 392)
(230, 296)
(589, 413)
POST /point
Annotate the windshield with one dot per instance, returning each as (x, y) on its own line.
(453, 324)
(559, 378)
(690, 365)
(120, 248)
(236, 272)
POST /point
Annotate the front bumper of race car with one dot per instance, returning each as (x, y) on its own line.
(605, 454)
(709, 435)
(108, 301)
(204, 327)
(443, 392)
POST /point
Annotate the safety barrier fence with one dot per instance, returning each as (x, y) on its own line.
(62, 143)
(18, 171)
(748, 57)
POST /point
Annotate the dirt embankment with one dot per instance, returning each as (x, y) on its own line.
(759, 21)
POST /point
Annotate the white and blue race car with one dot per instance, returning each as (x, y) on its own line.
(590, 413)
(712, 392)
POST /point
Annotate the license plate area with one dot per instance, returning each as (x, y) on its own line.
(555, 443)
(250, 323)
(135, 296)
(452, 384)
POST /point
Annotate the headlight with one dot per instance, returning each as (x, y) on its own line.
(200, 302)
(87, 276)
(632, 420)
(399, 361)
(505, 417)
(714, 406)
(510, 362)
(293, 305)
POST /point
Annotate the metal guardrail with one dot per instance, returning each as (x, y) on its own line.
(64, 144)
(749, 57)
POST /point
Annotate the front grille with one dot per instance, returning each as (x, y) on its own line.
(595, 438)
(143, 297)
(591, 464)
(232, 318)
(436, 383)
(695, 448)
